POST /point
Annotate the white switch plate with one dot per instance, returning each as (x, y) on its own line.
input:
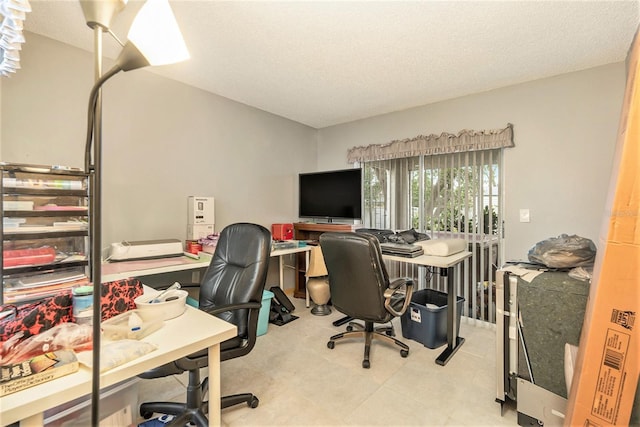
(524, 215)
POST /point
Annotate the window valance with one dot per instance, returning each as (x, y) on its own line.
(466, 140)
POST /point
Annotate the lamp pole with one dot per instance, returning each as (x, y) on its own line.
(95, 206)
(98, 15)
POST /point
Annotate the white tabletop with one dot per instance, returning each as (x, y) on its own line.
(287, 251)
(124, 269)
(431, 260)
(191, 332)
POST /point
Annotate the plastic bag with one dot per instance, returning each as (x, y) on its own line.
(117, 353)
(408, 236)
(381, 235)
(66, 336)
(563, 251)
(388, 236)
(581, 273)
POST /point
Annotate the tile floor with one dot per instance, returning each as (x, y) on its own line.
(300, 382)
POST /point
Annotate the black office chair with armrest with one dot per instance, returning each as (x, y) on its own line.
(361, 289)
(231, 289)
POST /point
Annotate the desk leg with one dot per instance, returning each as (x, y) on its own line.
(306, 280)
(214, 385)
(195, 276)
(453, 341)
(33, 421)
(281, 271)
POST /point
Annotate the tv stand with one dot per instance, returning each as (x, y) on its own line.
(312, 231)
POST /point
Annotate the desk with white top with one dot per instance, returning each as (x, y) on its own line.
(445, 265)
(204, 331)
(124, 269)
(146, 267)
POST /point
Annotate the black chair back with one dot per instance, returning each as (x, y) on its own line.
(237, 272)
(357, 275)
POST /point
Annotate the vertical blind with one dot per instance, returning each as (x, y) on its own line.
(448, 192)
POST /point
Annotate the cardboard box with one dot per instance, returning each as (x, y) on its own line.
(200, 210)
(605, 380)
(198, 231)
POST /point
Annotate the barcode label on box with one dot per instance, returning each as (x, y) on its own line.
(611, 376)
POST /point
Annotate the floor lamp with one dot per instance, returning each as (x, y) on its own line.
(154, 39)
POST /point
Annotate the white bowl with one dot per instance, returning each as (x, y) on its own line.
(164, 309)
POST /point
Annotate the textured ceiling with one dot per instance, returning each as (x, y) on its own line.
(328, 62)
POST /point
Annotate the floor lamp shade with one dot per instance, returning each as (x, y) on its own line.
(101, 12)
(156, 35)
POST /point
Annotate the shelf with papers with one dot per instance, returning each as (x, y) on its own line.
(45, 230)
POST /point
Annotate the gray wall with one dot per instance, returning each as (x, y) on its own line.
(565, 133)
(163, 141)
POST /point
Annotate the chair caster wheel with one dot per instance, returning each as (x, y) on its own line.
(404, 353)
(253, 403)
(146, 414)
(331, 344)
(349, 328)
(366, 364)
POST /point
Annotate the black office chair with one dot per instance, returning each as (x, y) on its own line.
(231, 289)
(361, 289)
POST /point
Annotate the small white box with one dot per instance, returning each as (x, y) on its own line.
(199, 231)
(200, 210)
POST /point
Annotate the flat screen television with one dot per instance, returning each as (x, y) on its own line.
(331, 195)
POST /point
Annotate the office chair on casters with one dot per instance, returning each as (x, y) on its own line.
(231, 289)
(361, 289)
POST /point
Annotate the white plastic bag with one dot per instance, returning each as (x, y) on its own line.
(117, 353)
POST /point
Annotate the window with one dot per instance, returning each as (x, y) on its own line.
(448, 195)
(455, 193)
(447, 185)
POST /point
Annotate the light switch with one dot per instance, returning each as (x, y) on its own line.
(524, 215)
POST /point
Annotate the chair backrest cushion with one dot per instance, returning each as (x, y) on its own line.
(357, 275)
(237, 272)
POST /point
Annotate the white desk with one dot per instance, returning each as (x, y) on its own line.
(203, 331)
(124, 269)
(445, 265)
(281, 252)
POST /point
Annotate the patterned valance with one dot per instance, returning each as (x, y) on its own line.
(466, 140)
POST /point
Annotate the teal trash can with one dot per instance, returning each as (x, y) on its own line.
(263, 317)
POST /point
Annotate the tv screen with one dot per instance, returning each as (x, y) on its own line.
(332, 194)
